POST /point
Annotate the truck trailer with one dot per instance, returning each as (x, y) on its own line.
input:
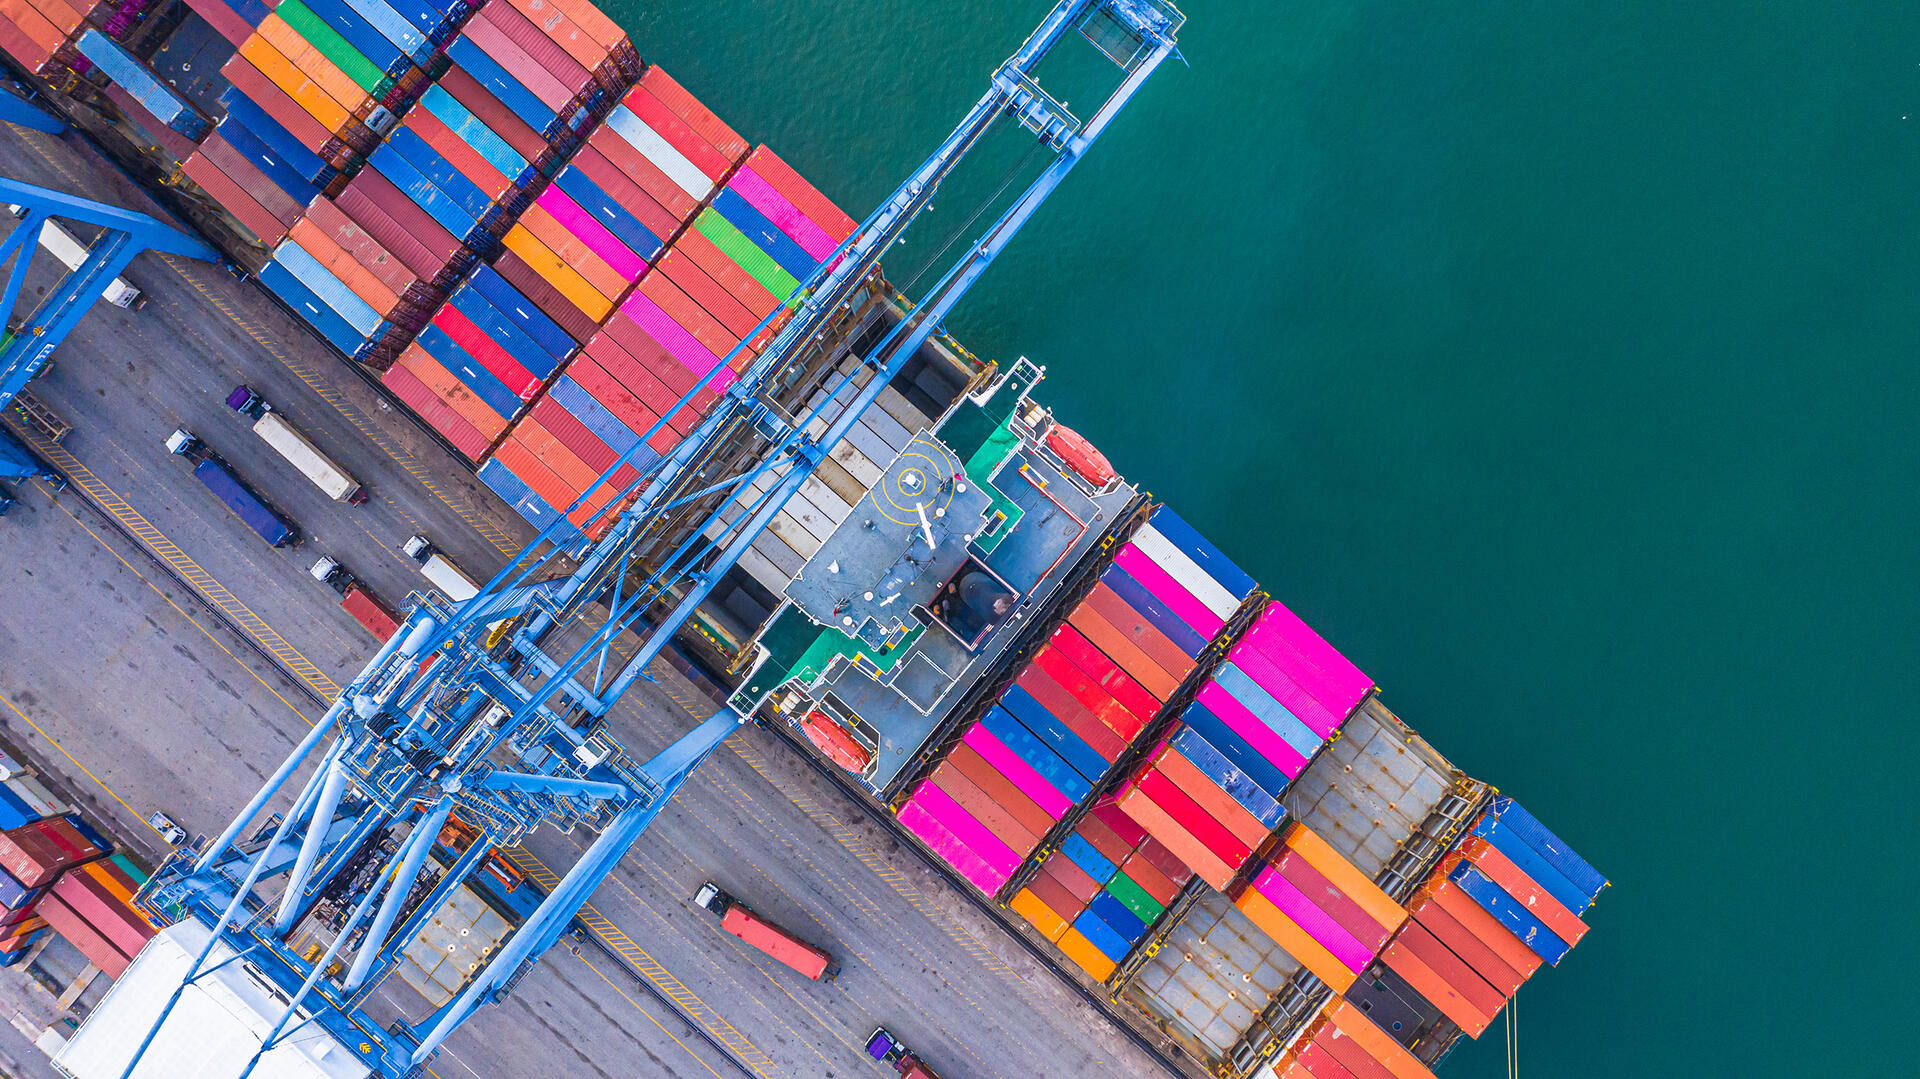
(365, 607)
(214, 474)
(742, 922)
(439, 572)
(299, 451)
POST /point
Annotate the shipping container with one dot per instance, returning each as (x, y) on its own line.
(246, 505)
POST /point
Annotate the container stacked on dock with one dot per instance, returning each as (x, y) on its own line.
(55, 877)
(691, 309)
(1096, 896)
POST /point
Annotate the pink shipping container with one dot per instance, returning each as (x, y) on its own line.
(1281, 634)
(1319, 716)
(945, 844)
(1319, 925)
(981, 841)
(1009, 764)
(1169, 591)
(658, 325)
(1264, 739)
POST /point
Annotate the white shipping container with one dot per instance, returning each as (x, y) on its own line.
(305, 456)
(64, 247)
(447, 577)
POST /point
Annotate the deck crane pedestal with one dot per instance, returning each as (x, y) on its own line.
(488, 712)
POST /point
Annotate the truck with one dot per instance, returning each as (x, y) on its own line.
(742, 922)
(439, 572)
(214, 474)
(299, 451)
(364, 607)
(891, 1051)
(65, 247)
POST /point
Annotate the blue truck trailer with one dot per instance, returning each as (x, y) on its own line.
(214, 474)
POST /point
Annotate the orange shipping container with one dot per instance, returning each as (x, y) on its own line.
(1511, 950)
(457, 396)
(691, 316)
(590, 19)
(553, 453)
(1123, 652)
(1500, 869)
(564, 31)
(107, 874)
(307, 93)
(1429, 984)
(1468, 947)
(63, 15)
(1204, 863)
(1345, 876)
(1218, 803)
(36, 26)
(358, 279)
(288, 42)
(542, 260)
(1295, 941)
(1353, 1024)
(1028, 906)
(534, 474)
(1085, 955)
(574, 252)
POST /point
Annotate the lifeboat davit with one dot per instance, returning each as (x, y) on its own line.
(833, 740)
(1080, 455)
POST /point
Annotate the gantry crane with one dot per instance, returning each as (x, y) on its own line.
(477, 710)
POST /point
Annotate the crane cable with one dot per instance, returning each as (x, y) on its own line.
(1513, 1038)
(939, 252)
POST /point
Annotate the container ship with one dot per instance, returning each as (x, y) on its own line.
(1062, 695)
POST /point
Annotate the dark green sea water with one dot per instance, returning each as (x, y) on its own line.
(1557, 361)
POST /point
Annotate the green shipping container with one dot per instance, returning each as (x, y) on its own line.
(1135, 898)
(331, 45)
(745, 253)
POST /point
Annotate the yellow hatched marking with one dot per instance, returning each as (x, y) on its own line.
(167, 551)
(332, 396)
(648, 968)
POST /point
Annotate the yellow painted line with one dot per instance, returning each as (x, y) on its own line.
(320, 385)
(648, 967)
(167, 551)
(650, 1017)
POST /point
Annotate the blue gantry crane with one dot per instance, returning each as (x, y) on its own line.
(493, 710)
(123, 235)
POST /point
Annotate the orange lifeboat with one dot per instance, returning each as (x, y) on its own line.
(1080, 455)
(833, 740)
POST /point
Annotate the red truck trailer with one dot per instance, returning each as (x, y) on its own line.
(737, 919)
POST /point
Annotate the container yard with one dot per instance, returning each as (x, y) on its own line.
(651, 543)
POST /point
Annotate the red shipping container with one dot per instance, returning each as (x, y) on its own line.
(274, 101)
(1349, 1054)
(501, 120)
(538, 45)
(626, 191)
(464, 158)
(1001, 789)
(407, 386)
(362, 606)
(714, 299)
(1104, 706)
(1071, 877)
(995, 817)
(359, 280)
(408, 215)
(1500, 869)
(698, 116)
(1150, 879)
(1314, 1060)
(324, 215)
(19, 45)
(1484, 927)
(229, 196)
(1216, 803)
(78, 848)
(1484, 961)
(630, 410)
(35, 25)
(1484, 999)
(1337, 904)
(119, 923)
(541, 83)
(590, 19)
(1102, 838)
(564, 312)
(1180, 844)
(1105, 636)
(679, 134)
(1105, 674)
(805, 197)
(585, 516)
(1144, 636)
(1055, 896)
(97, 948)
(629, 160)
(1166, 861)
(1196, 821)
(688, 315)
(223, 19)
(251, 180)
(563, 31)
(640, 379)
(450, 391)
(775, 941)
(739, 284)
(566, 465)
(534, 474)
(1062, 705)
(1109, 813)
(390, 234)
(586, 445)
(30, 857)
(491, 356)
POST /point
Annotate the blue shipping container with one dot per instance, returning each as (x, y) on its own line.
(625, 227)
(606, 426)
(475, 133)
(329, 289)
(422, 191)
(1101, 935)
(1509, 912)
(1288, 726)
(1038, 755)
(1047, 727)
(1551, 847)
(275, 168)
(1530, 862)
(764, 233)
(491, 391)
(370, 43)
(1204, 554)
(1081, 853)
(523, 313)
(511, 92)
(1117, 917)
(406, 38)
(1235, 748)
(244, 503)
(89, 833)
(1158, 615)
(501, 480)
(436, 168)
(309, 165)
(155, 96)
(496, 325)
(1193, 745)
(338, 331)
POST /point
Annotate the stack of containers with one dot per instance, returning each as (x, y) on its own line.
(688, 312)
(32, 31)
(1321, 908)
(1100, 892)
(1344, 1044)
(472, 369)
(1508, 899)
(1203, 807)
(20, 923)
(92, 907)
(32, 857)
(153, 104)
(1192, 583)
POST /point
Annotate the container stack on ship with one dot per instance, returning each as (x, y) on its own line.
(1071, 701)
